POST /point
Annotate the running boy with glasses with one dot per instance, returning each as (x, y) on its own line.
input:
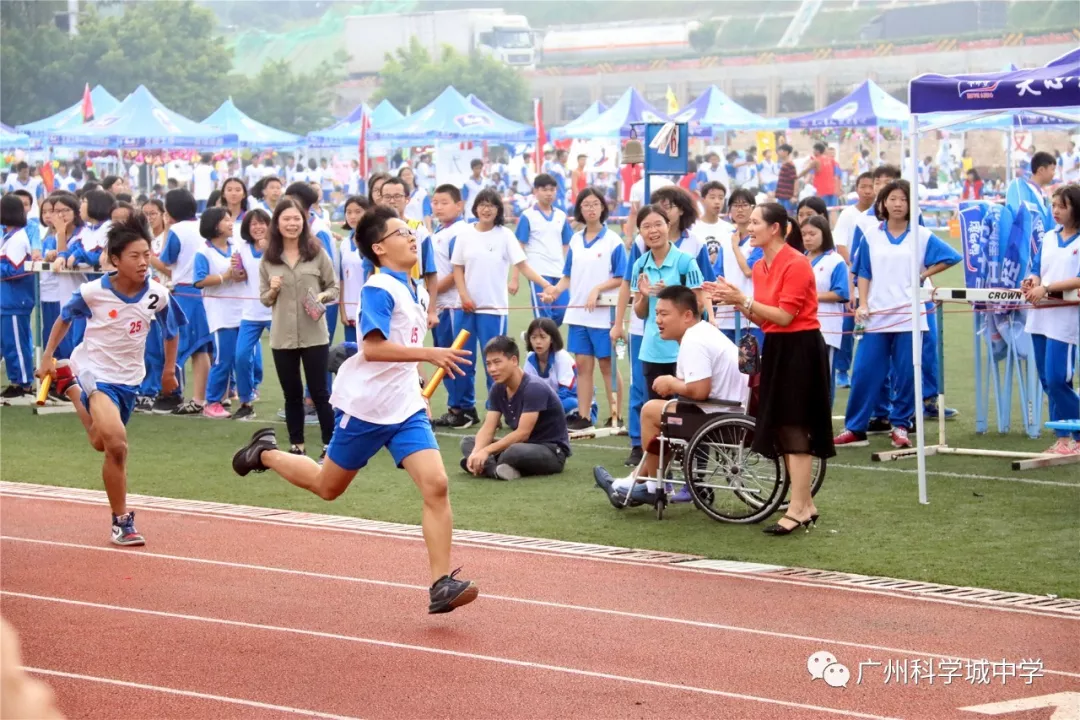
(378, 402)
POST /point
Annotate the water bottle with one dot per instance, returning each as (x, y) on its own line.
(860, 329)
(620, 349)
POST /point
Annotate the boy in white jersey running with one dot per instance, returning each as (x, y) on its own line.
(378, 402)
(109, 363)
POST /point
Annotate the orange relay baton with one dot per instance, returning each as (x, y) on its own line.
(437, 378)
(43, 391)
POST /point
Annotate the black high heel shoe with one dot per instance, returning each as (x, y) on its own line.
(778, 529)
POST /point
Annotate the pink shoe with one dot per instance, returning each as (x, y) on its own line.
(215, 411)
(1063, 446)
(900, 438)
(850, 439)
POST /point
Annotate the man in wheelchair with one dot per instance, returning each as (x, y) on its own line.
(707, 379)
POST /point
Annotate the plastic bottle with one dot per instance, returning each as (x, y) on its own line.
(620, 349)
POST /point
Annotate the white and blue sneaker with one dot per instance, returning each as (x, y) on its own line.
(124, 532)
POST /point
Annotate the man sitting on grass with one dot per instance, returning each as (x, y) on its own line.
(707, 369)
(538, 442)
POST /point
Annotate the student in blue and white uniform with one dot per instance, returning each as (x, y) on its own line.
(61, 212)
(418, 206)
(96, 210)
(594, 267)
(483, 253)
(33, 222)
(1054, 333)
(103, 377)
(255, 317)
(182, 243)
(544, 232)
(883, 268)
(735, 262)
(554, 366)
(377, 402)
(153, 211)
(394, 194)
(62, 180)
(216, 276)
(833, 286)
(16, 299)
(472, 186)
(449, 223)
(558, 171)
(234, 198)
(351, 272)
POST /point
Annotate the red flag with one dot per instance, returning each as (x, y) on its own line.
(541, 135)
(365, 125)
(87, 105)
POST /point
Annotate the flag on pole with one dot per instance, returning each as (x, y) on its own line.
(365, 125)
(87, 105)
(541, 135)
(672, 102)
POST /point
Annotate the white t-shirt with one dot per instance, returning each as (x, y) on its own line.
(384, 393)
(487, 257)
(443, 242)
(637, 190)
(351, 275)
(254, 310)
(705, 352)
(850, 218)
(544, 237)
(223, 304)
(589, 265)
(202, 181)
(712, 236)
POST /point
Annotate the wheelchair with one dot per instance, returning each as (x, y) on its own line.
(706, 447)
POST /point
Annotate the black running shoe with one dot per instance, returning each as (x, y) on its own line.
(578, 423)
(634, 459)
(244, 412)
(879, 426)
(249, 457)
(167, 404)
(448, 593)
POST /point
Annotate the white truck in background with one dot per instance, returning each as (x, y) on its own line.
(508, 38)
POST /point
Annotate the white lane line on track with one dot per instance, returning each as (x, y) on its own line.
(528, 601)
(449, 653)
(754, 577)
(187, 693)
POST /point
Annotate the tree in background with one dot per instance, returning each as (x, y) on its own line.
(173, 48)
(410, 78)
(297, 102)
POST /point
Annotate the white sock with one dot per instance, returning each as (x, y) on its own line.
(623, 484)
(650, 486)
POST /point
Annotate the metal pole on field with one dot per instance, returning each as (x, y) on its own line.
(916, 312)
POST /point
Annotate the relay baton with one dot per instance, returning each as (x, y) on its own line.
(43, 391)
(437, 378)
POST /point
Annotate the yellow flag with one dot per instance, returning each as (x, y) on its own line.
(672, 102)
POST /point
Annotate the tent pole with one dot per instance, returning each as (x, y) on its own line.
(916, 311)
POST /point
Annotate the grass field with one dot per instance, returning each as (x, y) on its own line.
(986, 526)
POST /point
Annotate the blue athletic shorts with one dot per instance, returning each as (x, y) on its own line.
(356, 441)
(588, 341)
(123, 397)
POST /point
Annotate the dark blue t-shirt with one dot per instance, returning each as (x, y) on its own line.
(533, 396)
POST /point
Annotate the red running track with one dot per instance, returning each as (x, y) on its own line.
(227, 618)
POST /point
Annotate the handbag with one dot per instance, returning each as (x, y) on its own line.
(312, 306)
(749, 355)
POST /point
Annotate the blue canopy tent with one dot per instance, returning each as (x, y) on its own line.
(1042, 89)
(12, 139)
(250, 133)
(867, 106)
(103, 102)
(141, 121)
(451, 116)
(480, 103)
(591, 113)
(346, 133)
(616, 121)
(713, 111)
(1070, 58)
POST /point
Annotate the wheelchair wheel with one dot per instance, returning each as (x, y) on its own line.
(728, 481)
(817, 479)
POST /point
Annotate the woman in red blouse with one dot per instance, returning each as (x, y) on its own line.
(793, 416)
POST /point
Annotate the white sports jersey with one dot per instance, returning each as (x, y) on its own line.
(487, 257)
(95, 237)
(543, 237)
(850, 218)
(831, 314)
(223, 302)
(705, 352)
(384, 393)
(443, 242)
(58, 287)
(254, 310)
(589, 265)
(469, 190)
(113, 347)
(561, 371)
(415, 209)
(351, 276)
(181, 246)
(1059, 259)
(733, 274)
(890, 289)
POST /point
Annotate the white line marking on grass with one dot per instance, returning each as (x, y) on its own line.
(187, 693)
(448, 653)
(524, 601)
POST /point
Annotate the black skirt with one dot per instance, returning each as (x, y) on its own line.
(794, 415)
